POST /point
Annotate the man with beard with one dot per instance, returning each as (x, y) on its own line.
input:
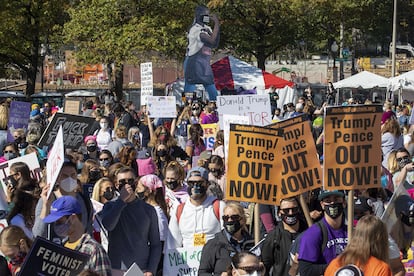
(314, 252)
(275, 250)
(198, 219)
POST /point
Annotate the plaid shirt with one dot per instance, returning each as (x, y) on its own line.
(99, 261)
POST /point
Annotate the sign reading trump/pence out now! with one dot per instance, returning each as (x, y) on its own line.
(301, 170)
(253, 167)
(352, 146)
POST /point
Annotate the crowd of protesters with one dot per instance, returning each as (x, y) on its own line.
(161, 189)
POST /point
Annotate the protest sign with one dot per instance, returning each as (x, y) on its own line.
(87, 189)
(134, 270)
(231, 119)
(75, 128)
(253, 176)
(162, 106)
(255, 107)
(48, 258)
(210, 131)
(182, 261)
(147, 85)
(352, 147)
(55, 161)
(72, 107)
(389, 217)
(301, 170)
(19, 115)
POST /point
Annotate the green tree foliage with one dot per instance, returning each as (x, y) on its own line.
(24, 26)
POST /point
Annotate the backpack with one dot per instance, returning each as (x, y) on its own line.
(294, 269)
(216, 209)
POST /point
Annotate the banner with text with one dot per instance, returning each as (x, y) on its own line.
(352, 147)
(147, 85)
(55, 161)
(210, 132)
(227, 120)
(162, 106)
(182, 261)
(48, 258)
(255, 107)
(75, 128)
(72, 107)
(253, 175)
(19, 115)
(301, 170)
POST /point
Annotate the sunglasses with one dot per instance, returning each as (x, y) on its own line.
(195, 182)
(232, 217)
(251, 269)
(125, 181)
(399, 159)
(294, 210)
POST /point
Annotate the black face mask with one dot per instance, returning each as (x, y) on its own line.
(290, 219)
(91, 148)
(94, 175)
(172, 185)
(12, 182)
(334, 210)
(216, 173)
(199, 190)
(141, 195)
(109, 194)
(161, 153)
(232, 226)
(22, 145)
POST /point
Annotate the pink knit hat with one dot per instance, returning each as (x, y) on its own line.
(145, 166)
(151, 181)
(90, 137)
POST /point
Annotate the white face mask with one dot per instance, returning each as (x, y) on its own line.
(255, 273)
(68, 184)
(104, 125)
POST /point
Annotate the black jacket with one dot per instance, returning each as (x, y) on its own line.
(276, 248)
(217, 253)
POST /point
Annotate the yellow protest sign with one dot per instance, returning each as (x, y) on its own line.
(253, 165)
(352, 147)
(301, 170)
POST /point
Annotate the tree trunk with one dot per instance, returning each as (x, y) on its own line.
(31, 81)
(111, 83)
(119, 80)
(261, 59)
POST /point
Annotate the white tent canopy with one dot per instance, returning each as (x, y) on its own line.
(404, 81)
(364, 79)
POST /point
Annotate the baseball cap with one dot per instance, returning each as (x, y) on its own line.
(198, 171)
(363, 204)
(63, 206)
(349, 270)
(325, 194)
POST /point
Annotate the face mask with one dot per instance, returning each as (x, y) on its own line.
(136, 136)
(172, 185)
(94, 175)
(334, 210)
(13, 182)
(68, 184)
(9, 155)
(199, 190)
(161, 153)
(108, 194)
(23, 145)
(254, 273)
(79, 166)
(141, 195)
(103, 125)
(18, 259)
(105, 163)
(91, 148)
(216, 173)
(232, 226)
(62, 229)
(163, 137)
(290, 219)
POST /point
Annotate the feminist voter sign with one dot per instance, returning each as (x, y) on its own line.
(253, 167)
(352, 147)
(301, 170)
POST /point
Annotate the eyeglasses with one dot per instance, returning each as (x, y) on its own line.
(195, 182)
(399, 159)
(126, 181)
(250, 269)
(103, 159)
(232, 217)
(293, 210)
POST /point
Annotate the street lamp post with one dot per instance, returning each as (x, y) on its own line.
(394, 39)
(334, 50)
(43, 51)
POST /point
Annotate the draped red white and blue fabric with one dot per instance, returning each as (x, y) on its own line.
(232, 73)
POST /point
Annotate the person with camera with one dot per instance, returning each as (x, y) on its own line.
(132, 226)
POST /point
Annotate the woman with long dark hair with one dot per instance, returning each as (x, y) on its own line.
(195, 144)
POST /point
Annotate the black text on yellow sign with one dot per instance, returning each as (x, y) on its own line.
(300, 167)
(352, 146)
(252, 164)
